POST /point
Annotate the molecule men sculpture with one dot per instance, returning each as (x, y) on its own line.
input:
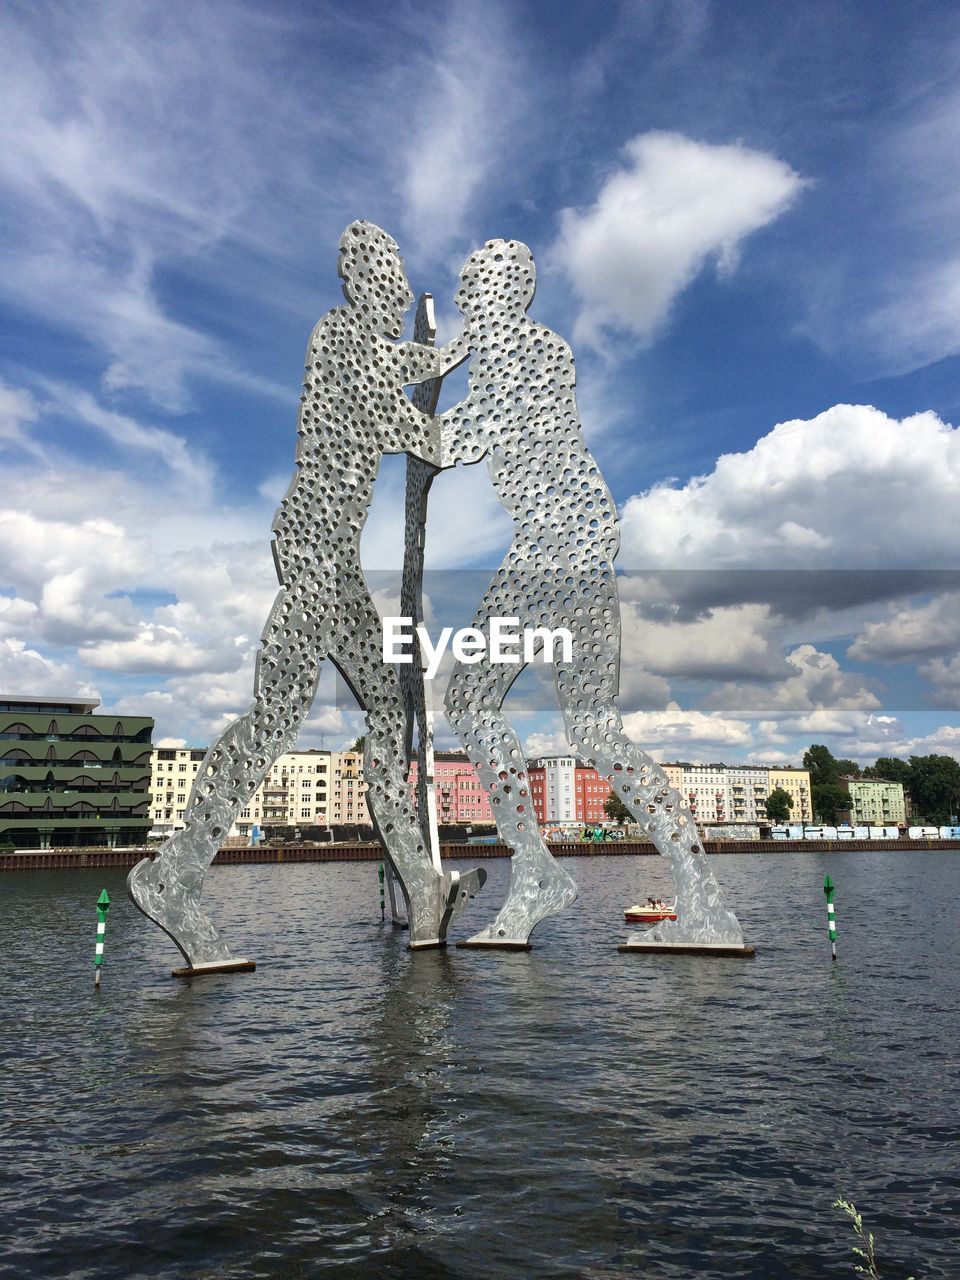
(520, 414)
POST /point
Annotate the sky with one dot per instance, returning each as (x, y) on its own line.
(745, 221)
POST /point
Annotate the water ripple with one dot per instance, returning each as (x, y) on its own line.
(354, 1108)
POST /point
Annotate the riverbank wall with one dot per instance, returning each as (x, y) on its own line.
(71, 859)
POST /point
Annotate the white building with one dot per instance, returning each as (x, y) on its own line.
(738, 793)
(559, 787)
(302, 788)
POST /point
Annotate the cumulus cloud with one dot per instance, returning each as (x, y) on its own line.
(815, 696)
(722, 644)
(911, 633)
(546, 744)
(675, 728)
(886, 735)
(15, 614)
(674, 205)
(154, 648)
(23, 668)
(787, 502)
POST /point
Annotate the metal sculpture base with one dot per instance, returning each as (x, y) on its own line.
(635, 945)
(491, 944)
(461, 886)
(200, 970)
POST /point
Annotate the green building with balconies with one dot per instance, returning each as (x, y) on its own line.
(70, 777)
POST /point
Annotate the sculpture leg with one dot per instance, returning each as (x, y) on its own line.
(375, 684)
(595, 732)
(539, 886)
(168, 889)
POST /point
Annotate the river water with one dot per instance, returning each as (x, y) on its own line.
(353, 1108)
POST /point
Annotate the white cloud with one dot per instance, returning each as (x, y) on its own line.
(911, 633)
(725, 643)
(851, 488)
(814, 693)
(944, 675)
(886, 736)
(17, 410)
(186, 463)
(674, 206)
(546, 744)
(27, 669)
(466, 525)
(675, 728)
(121, 166)
(904, 306)
(154, 648)
(15, 614)
(458, 132)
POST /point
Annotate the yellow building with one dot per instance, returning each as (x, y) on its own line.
(796, 783)
(348, 788)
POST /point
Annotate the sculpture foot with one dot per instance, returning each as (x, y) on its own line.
(461, 886)
(722, 930)
(159, 892)
(534, 897)
(220, 966)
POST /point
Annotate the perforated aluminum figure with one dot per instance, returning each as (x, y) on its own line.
(521, 414)
(353, 410)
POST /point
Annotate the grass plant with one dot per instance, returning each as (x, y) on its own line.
(867, 1252)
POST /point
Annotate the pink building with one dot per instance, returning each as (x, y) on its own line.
(460, 795)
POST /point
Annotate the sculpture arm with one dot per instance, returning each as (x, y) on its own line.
(419, 363)
(461, 439)
(412, 432)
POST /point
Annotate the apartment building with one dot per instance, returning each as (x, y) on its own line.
(564, 789)
(302, 788)
(705, 791)
(348, 788)
(875, 801)
(738, 793)
(172, 771)
(796, 783)
(461, 797)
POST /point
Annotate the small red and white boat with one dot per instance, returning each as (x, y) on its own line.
(650, 912)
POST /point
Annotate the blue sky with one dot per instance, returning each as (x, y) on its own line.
(744, 218)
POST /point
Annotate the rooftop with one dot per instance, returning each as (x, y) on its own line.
(38, 702)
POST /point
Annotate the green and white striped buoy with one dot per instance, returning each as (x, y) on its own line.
(103, 906)
(831, 918)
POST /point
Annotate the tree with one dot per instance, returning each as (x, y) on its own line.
(821, 765)
(848, 769)
(779, 803)
(828, 799)
(934, 783)
(616, 810)
(889, 769)
(358, 743)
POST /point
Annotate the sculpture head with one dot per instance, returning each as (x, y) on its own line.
(374, 281)
(500, 276)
